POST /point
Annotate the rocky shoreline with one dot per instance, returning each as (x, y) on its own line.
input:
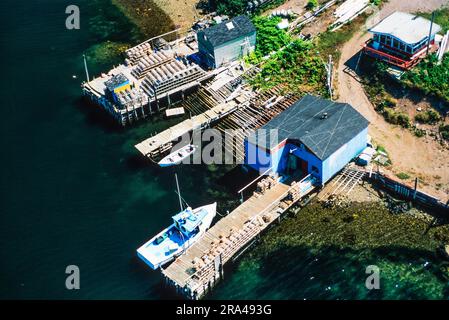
(343, 240)
(155, 17)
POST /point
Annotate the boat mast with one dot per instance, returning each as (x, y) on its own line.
(179, 192)
(85, 67)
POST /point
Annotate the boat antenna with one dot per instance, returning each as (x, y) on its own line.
(179, 192)
(85, 67)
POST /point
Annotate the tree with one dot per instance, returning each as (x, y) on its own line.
(312, 4)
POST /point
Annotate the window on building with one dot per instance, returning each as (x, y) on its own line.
(395, 44)
(401, 46)
(388, 41)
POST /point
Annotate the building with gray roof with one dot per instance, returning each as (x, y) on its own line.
(314, 136)
(227, 41)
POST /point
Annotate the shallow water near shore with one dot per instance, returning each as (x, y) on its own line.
(74, 191)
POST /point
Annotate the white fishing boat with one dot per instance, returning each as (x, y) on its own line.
(188, 226)
(178, 156)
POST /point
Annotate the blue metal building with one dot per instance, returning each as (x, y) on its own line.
(227, 41)
(314, 136)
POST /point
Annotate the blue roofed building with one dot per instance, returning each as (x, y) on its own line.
(314, 136)
(227, 41)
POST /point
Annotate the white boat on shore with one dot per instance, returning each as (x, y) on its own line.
(178, 156)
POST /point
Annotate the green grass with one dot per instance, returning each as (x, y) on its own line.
(441, 17)
(330, 43)
(403, 176)
(296, 66)
(381, 148)
(236, 7)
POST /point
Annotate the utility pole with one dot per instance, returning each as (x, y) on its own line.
(430, 33)
(329, 69)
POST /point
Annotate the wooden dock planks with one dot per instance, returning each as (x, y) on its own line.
(153, 144)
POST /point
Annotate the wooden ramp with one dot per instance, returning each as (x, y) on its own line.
(343, 184)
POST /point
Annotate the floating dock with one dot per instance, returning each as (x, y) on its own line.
(199, 269)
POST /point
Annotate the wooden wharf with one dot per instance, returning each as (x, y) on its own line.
(200, 267)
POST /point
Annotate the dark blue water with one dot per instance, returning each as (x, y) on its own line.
(74, 191)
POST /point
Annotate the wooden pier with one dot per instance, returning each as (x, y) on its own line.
(163, 141)
(200, 267)
(244, 113)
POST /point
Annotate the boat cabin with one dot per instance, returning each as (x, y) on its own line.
(401, 39)
(187, 222)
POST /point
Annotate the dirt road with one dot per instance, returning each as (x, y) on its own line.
(422, 157)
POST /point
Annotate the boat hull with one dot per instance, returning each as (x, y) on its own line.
(176, 158)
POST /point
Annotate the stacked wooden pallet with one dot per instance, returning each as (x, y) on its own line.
(133, 55)
(151, 61)
(170, 76)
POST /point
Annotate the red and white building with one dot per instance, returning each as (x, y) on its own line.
(401, 39)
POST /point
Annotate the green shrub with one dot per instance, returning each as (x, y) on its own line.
(430, 77)
(419, 132)
(396, 117)
(229, 7)
(444, 130)
(236, 7)
(430, 116)
(311, 4)
(269, 37)
(296, 66)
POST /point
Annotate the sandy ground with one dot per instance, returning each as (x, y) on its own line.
(297, 6)
(424, 158)
(182, 12)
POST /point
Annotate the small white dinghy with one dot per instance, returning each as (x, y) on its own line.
(178, 156)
